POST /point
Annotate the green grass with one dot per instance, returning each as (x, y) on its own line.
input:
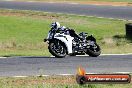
(22, 32)
(52, 82)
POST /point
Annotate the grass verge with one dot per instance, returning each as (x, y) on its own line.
(52, 82)
(22, 32)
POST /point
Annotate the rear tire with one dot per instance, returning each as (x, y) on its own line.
(60, 52)
(94, 52)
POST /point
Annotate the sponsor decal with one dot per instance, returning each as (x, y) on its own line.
(83, 78)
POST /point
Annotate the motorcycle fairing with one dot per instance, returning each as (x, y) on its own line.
(66, 39)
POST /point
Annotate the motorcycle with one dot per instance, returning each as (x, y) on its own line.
(67, 42)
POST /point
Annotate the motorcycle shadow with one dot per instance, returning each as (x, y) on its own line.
(52, 57)
(38, 57)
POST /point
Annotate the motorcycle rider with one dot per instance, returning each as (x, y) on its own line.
(56, 27)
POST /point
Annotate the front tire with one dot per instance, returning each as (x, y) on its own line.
(57, 49)
(94, 50)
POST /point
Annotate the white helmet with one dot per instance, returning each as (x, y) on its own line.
(55, 25)
(63, 28)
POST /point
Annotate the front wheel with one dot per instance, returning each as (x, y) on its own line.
(57, 49)
(94, 50)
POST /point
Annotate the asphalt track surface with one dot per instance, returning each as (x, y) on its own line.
(33, 66)
(119, 12)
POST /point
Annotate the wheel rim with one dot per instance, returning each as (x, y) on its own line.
(94, 47)
(58, 48)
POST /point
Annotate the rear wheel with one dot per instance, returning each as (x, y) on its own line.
(94, 50)
(57, 49)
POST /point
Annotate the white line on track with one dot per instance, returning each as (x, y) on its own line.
(93, 16)
(3, 57)
(72, 74)
(74, 3)
(81, 15)
(110, 54)
(106, 55)
(19, 76)
(124, 72)
(116, 54)
(88, 55)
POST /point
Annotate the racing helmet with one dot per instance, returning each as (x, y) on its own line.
(55, 25)
(62, 27)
